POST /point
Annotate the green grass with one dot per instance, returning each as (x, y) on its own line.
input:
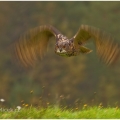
(55, 112)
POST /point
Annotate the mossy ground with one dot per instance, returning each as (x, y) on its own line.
(56, 112)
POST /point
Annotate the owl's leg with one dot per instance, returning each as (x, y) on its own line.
(84, 50)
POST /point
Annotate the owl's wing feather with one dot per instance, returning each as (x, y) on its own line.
(33, 44)
(106, 47)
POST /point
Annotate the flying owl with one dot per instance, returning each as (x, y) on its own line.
(33, 44)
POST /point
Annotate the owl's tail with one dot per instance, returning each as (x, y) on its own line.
(84, 50)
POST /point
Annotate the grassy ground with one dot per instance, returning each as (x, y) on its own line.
(55, 112)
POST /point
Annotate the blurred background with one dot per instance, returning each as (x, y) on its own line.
(56, 80)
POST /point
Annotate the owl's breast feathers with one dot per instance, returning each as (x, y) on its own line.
(66, 47)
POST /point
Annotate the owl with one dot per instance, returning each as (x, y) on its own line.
(33, 44)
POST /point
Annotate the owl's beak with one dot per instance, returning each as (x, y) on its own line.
(61, 50)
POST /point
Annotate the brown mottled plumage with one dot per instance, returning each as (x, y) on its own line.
(33, 44)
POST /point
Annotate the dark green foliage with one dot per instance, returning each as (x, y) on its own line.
(66, 80)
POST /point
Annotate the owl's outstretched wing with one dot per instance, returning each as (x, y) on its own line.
(33, 44)
(106, 47)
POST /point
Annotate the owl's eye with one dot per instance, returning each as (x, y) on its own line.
(57, 46)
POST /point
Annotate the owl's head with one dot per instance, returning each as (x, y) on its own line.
(64, 48)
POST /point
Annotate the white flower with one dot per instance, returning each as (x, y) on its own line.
(18, 107)
(2, 100)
